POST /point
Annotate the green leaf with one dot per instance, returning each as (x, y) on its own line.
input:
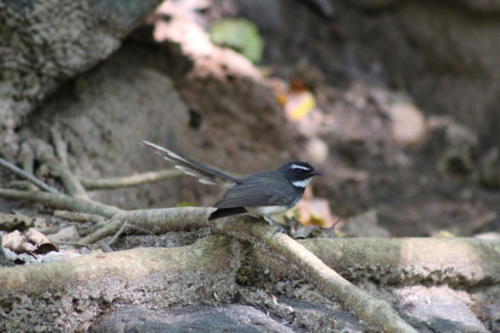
(240, 35)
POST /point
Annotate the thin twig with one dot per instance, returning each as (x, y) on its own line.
(27, 176)
(132, 180)
(117, 234)
(71, 243)
(105, 247)
(108, 229)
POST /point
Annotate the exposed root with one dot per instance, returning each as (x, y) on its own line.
(132, 180)
(78, 217)
(70, 182)
(29, 177)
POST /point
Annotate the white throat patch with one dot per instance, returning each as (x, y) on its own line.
(302, 183)
(296, 166)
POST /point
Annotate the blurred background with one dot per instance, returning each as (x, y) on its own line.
(395, 101)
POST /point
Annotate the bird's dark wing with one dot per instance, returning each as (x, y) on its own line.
(205, 175)
(267, 192)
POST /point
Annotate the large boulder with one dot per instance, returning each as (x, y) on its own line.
(45, 43)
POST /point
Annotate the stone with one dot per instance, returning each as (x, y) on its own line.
(45, 43)
(439, 309)
(227, 318)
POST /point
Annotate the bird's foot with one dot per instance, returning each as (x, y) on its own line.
(280, 228)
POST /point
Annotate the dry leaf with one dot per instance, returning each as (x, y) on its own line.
(315, 212)
(32, 242)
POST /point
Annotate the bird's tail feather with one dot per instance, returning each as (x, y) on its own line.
(205, 174)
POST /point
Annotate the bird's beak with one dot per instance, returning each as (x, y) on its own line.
(316, 173)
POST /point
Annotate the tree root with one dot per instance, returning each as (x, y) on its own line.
(461, 262)
(132, 180)
(27, 176)
(61, 201)
(70, 181)
(208, 254)
(78, 217)
(375, 312)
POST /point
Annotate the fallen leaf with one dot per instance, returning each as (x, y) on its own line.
(299, 104)
(32, 242)
(315, 212)
(240, 35)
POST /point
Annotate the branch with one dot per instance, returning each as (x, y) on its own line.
(157, 221)
(78, 217)
(61, 201)
(29, 177)
(132, 180)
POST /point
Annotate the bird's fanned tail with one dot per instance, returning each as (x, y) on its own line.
(205, 174)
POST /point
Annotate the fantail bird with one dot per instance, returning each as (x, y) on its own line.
(261, 194)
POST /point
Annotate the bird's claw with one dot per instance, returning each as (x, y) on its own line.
(272, 222)
(281, 229)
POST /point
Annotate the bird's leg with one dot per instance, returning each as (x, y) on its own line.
(271, 221)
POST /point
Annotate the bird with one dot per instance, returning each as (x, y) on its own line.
(261, 195)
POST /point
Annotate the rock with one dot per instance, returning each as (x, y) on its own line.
(408, 123)
(104, 115)
(318, 317)
(316, 151)
(439, 309)
(68, 234)
(456, 134)
(45, 43)
(227, 318)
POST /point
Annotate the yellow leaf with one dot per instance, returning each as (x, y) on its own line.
(300, 104)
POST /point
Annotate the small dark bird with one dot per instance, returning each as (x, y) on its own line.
(261, 194)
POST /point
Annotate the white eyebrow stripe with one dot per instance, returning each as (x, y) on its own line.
(302, 183)
(296, 166)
